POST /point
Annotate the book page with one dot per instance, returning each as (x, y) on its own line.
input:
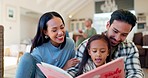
(51, 71)
(113, 69)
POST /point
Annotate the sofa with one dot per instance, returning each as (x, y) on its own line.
(140, 41)
(145, 43)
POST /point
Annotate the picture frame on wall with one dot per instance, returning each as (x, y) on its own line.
(11, 12)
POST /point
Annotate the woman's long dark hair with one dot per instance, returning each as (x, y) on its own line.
(39, 39)
(86, 56)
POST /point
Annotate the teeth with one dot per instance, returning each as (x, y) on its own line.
(59, 37)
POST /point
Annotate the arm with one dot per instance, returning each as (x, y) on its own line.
(132, 64)
(79, 52)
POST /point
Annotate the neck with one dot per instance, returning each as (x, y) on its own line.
(89, 27)
(55, 44)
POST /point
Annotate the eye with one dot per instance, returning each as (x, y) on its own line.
(102, 50)
(115, 31)
(124, 35)
(54, 30)
(94, 51)
(62, 26)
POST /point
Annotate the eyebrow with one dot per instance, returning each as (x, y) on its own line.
(115, 29)
(119, 31)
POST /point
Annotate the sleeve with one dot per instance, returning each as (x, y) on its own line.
(91, 32)
(37, 55)
(79, 53)
(95, 32)
(132, 66)
(38, 59)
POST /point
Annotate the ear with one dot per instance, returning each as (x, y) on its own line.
(89, 52)
(107, 25)
(45, 32)
(108, 54)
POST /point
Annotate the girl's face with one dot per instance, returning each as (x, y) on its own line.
(56, 31)
(98, 52)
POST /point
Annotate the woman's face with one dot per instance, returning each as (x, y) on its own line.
(98, 52)
(56, 31)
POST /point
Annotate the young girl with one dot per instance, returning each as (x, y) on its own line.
(95, 54)
(50, 45)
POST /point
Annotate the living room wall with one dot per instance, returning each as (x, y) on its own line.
(28, 27)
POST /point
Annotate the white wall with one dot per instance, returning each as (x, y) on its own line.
(86, 12)
(141, 6)
(28, 27)
(11, 27)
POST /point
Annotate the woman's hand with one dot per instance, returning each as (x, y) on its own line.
(70, 63)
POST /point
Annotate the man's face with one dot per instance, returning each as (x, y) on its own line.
(117, 31)
(87, 23)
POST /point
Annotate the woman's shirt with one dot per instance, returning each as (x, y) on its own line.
(54, 55)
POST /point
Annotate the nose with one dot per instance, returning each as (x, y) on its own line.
(60, 32)
(98, 54)
(118, 37)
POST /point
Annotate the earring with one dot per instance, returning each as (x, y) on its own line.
(46, 36)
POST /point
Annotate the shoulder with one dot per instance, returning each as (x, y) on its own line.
(83, 44)
(39, 49)
(128, 47)
(93, 28)
(81, 48)
(127, 43)
(69, 40)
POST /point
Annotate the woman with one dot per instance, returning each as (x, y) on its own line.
(50, 45)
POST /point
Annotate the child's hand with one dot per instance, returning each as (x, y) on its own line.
(70, 63)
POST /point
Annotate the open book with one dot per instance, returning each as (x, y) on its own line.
(113, 69)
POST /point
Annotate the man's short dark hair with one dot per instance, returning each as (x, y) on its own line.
(123, 15)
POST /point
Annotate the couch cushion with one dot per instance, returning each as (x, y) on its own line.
(141, 50)
(138, 38)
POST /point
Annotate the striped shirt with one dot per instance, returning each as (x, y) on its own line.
(126, 49)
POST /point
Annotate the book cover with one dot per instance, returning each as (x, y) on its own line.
(113, 69)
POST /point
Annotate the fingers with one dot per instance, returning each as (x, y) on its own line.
(74, 61)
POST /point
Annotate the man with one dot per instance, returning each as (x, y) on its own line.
(90, 31)
(118, 27)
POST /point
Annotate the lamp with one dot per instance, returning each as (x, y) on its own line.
(109, 6)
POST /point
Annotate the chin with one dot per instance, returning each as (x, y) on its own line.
(60, 42)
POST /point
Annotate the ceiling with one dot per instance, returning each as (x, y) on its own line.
(68, 7)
